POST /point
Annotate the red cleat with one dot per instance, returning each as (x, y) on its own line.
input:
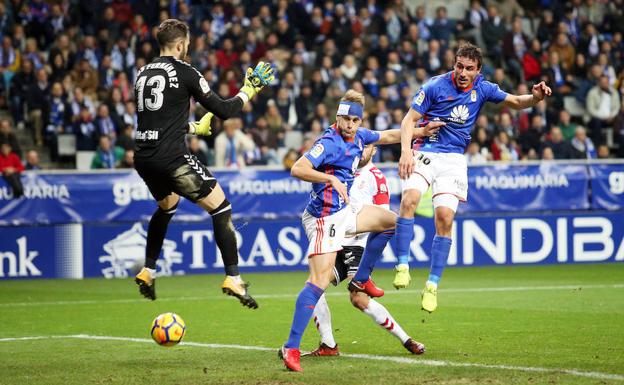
(367, 287)
(323, 350)
(414, 346)
(291, 357)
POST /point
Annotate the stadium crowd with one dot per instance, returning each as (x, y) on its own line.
(69, 66)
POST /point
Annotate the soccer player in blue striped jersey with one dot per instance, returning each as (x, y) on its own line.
(329, 217)
(455, 98)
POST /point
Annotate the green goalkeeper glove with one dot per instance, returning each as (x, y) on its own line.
(256, 79)
(203, 126)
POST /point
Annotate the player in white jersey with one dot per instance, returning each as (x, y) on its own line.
(369, 187)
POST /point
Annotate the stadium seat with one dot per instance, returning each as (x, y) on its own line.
(66, 144)
(573, 106)
(84, 159)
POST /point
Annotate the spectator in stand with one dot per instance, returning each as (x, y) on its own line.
(473, 155)
(547, 153)
(104, 124)
(603, 105)
(11, 168)
(85, 131)
(56, 116)
(127, 161)
(603, 152)
(8, 136)
(532, 62)
(582, 146)
(32, 160)
(531, 138)
(23, 80)
(194, 147)
(493, 31)
(566, 125)
(231, 145)
(107, 156)
(515, 45)
(126, 138)
(565, 49)
(9, 60)
(502, 148)
(560, 147)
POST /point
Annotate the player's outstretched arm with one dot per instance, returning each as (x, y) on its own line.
(255, 80)
(520, 102)
(304, 170)
(395, 135)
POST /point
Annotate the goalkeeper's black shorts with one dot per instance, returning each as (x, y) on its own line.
(347, 262)
(191, 179)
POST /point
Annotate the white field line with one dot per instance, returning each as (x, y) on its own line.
(372, 357)
(332, 293)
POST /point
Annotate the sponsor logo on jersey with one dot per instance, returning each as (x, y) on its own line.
(204, 85)
(146, 135)
(420, 98)
(125, 254)
(317, 151)
(459, 114)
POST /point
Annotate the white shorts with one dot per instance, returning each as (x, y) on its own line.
(327, 234)
(446, 173)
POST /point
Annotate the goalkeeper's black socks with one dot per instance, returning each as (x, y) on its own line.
(226, 237)
(156, 235)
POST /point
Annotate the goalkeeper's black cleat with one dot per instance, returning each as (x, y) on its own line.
(147, 284)
(237, 288)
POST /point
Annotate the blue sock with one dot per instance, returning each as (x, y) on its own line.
(404, 236)
(304, 307)
(375, 246)
(439, 254)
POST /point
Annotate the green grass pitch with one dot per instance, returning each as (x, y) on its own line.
(494, 325)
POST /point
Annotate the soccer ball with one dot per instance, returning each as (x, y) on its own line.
(168, 329)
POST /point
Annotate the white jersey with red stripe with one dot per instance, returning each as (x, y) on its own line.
(369, 188)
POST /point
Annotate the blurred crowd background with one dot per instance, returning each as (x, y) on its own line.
(68, 69)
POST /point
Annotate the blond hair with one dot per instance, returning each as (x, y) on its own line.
(353, 96)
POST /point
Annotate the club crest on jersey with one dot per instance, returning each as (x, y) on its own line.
(473, 96)
(420, 98)
(459, 114)
(317, 150)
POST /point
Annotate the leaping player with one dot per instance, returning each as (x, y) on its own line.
(455, 98)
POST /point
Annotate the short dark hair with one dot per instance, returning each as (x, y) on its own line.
(171, 30)
(471, 52)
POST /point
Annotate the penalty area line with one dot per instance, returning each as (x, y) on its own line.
(372, 357)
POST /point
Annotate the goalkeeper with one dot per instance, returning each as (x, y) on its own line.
(163, 90)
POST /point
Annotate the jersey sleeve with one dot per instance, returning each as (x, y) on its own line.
(369, 136)
(201, 92)
(493, 93)
(381, 195)
(321, 152)
(422, 100)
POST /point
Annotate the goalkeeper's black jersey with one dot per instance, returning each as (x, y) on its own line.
(163, 90)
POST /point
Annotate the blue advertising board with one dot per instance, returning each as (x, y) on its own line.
(607, 186)
(117, 250)
(265, 194)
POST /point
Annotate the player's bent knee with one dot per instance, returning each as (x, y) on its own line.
(359, 300)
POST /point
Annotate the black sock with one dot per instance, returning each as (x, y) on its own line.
(156, 235)
(226, 237)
